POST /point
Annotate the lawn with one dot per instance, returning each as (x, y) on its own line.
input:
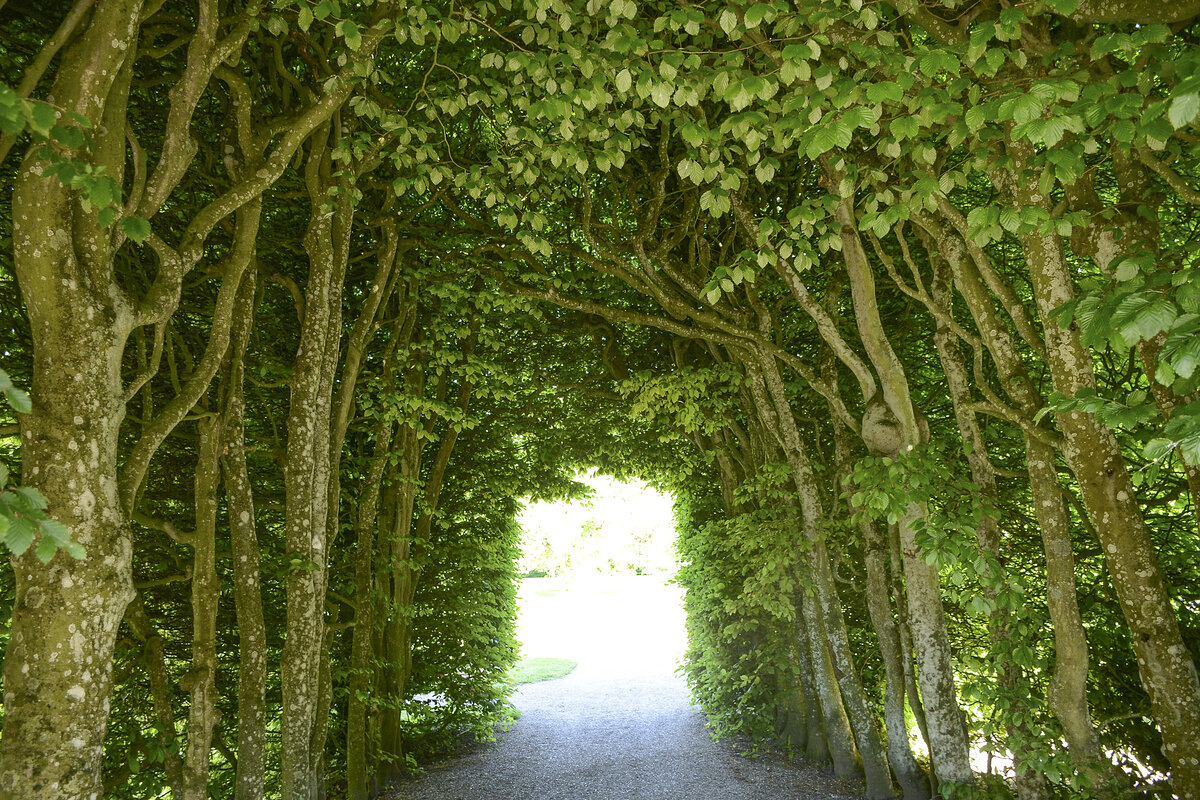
(535, 670)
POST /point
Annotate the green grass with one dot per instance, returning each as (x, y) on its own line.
(534, 670)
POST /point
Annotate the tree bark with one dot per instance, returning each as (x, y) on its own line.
(58, 665)
(946, 725)
(1068, 687)
(1015, 690)
(879, 606)
(200, 682)
(307, 476)
(866, 735)
(1167, 668)
(247, 593)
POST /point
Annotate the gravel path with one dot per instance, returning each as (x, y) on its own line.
(620, 727)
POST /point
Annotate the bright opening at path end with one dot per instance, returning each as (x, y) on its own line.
(598, 586)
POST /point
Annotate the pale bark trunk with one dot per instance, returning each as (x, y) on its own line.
(1068, 687)
(247, 594)
(912, 694)
(904, 764)
(306, 479)
(907, 771)
(1067, 693)
(839, 738)
(1167, 669)
(201, 680)
(58, 665)
(866, 734)
(947, 731)
(1141, 231)
(816, 745)
(1013, 682)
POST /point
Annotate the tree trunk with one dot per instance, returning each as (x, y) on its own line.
(904, 764)
(201, 680)
(247, 594)
(1015, 689)
(947, 731)
(1068, 686)
(398, 582)
(160, 690)
(58, 665)
(817, 746)
(866, 734)
(1167, 669)
(357, 775)
(307, 475)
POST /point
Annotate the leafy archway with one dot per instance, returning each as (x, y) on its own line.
(898, 298)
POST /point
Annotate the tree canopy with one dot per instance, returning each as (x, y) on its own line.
(899, 297)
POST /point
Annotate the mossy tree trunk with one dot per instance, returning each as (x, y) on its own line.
(1167, 669)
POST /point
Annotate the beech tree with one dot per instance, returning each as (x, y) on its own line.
(899, 298)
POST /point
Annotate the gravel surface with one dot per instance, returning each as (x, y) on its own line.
(620, 727)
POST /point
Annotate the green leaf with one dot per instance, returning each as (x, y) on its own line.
(756, 14)
(32, 497)
(135, 228)
(304, 17)
(1126, 270)
(68, 136)
(884, 92)
(19, 535)
(1139, 317)
(55, 530)
(350, 32)
(46, 548)
(624, 81)
(1184, 109)
(18, 400)
(1157, 448)
(42, 117)
(727, 21)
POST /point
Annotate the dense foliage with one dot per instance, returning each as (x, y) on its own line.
(899, 297)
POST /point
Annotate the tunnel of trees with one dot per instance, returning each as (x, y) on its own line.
(899, 297)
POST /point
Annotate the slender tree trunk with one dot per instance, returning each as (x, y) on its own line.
(912, 694)
(201, 680)
(817, 746)
(1140, 232)
(1068, 687)
(1013, 682)
(160, 690)
(947, 731)
(839, 738)
(398, 580)
(866, 734)
(904, 764)
(307, 476)
(358, 771)
(1167, 668)
(1067, 693)
(357, 775)
(247, 593)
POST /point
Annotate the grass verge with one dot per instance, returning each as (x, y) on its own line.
(535, 670)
